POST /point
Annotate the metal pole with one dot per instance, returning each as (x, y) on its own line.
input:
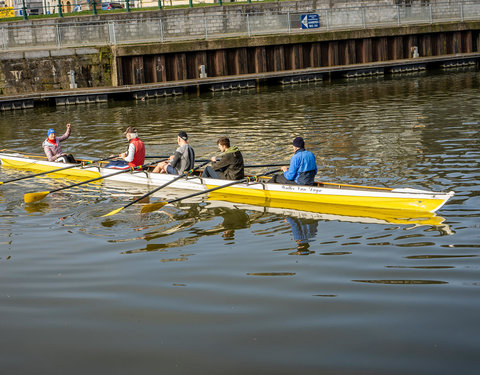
(160, 4)
(288, 20)
(111, 32)
(248, 25)
(431, 16)
(4, 37)
(24, 10)
(127, 2)
(398, 15)
(364, 18)
(327, 21)
(60, 13)
(94, 7)
(59, 40)
(206, 27)
(462, 16)
(190, 3)
(220, 2)
(161, 31)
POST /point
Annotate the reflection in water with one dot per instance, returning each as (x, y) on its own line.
(233, 219)
(304, 231)
(178, 221)
(419, 282)
(323, 211)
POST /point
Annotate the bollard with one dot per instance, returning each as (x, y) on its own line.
(414, 51)
(203, 71)
(71, 74)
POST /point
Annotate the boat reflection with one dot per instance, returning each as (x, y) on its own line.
(319, 211)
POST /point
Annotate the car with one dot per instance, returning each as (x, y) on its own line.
(111, 6)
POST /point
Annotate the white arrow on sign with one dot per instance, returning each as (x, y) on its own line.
(305, 22)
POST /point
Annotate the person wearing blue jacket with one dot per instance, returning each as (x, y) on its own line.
(302, 169)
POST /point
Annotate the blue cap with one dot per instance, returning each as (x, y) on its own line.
(50, 131)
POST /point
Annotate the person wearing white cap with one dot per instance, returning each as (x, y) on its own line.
(135, 155)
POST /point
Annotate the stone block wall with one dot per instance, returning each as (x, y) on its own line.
(46, 70)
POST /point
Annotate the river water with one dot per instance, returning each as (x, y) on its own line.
(216, 288)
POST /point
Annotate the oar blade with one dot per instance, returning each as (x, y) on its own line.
(152, 207)
(113, 212)
(35, 197)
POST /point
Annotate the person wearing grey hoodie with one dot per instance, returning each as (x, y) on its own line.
(230, 167)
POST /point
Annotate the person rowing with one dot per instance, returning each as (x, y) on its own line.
(53, 149)
(230, 167)
(302, 169)
(135, 155)
(183, 159)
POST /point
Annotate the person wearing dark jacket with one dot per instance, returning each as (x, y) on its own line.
(230, 167)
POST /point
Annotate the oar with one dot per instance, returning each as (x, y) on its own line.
(34, 197)
(155, 190)
(55, 170)
(266, 165)
(156, 206)
(156, 157)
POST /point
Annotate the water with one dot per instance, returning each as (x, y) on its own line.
(215, 288)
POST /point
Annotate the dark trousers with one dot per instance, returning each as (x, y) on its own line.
(67, 159)
(209, 172)
(280, 179)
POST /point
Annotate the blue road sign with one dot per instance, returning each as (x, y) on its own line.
(310, 21)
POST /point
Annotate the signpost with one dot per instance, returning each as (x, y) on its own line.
(310, 21)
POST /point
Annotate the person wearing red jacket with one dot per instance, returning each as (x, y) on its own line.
(135, 155)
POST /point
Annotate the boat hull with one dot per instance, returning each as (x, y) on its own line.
(411, 200)
(19, 162)
(420, 202)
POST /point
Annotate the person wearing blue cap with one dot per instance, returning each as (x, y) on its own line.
(52, 147)
(302, 169)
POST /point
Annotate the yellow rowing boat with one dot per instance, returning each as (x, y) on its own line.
(405, 199)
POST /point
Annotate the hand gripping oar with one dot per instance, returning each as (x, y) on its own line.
(56, 170)
(186, 173)
(156, 206)
(34, 197)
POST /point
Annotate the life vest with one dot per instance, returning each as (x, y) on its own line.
(139, 157)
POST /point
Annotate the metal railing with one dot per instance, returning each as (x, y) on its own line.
(192, 26)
